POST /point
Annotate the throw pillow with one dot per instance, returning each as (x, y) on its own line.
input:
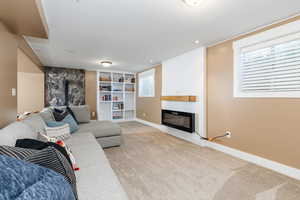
(59, 114)
(48, 157)
(39, 145)
(71, 113)
(82, 113)
(72, 123)
(47, 115)
(14, 131)
(52, 123)
(36, 122)
(59, 130)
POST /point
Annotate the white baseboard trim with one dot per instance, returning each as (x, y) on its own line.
(263, 162)
(190, 137)
(158, 126)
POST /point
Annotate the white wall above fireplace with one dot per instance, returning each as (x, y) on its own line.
(184, 75)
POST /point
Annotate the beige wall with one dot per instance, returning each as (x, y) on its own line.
(30, 85)
(24, 17)
(149, 108)
(8, 76)
(91, 91)
(27, 50)
(265, 127)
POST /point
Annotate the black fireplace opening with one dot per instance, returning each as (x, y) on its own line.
(180, 120)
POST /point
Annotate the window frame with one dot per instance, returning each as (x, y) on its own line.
(284, 33)
(150, 72)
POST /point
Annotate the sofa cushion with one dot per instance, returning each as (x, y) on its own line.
(82, 113)
(95, 179)
(47, 115)
(100, 128)
(14, 131)
(36, 123)
(112, 141)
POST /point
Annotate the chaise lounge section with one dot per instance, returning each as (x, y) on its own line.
(107, 133)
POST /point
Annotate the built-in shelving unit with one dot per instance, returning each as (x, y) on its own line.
(116, 95)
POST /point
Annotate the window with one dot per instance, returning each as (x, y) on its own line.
(268, 64)
(147, 83)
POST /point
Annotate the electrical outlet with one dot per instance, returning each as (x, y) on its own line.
(144, 114)
(228, 134)
(13, 92)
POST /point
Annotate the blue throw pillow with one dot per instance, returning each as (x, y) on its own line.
(72, 123)
(54, 123)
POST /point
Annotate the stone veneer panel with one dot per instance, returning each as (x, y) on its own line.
(55, 82)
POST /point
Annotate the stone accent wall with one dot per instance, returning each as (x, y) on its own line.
(55, 86)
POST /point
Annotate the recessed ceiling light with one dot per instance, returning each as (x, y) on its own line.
(193, 3)
(197, 42)
(106, 63)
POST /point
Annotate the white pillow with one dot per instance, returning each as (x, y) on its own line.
(60, 132)
(36, 122)
(7, 139)
(14, 131)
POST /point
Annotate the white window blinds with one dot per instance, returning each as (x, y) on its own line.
(268, 65)
(275, 68)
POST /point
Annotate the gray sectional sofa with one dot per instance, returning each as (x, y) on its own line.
(95, 180)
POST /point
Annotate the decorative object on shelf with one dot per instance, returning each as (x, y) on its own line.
(129, 78)
(129, 88)
(133, 80)
(105, 77)
(106, 88)
(118, 106)
(115, 98)
(117, 115)
(106, 97)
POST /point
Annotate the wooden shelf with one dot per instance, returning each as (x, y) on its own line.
(179, 98)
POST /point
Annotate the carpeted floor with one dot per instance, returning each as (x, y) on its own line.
(152, 165)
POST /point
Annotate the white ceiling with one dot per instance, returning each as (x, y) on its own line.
(133, 32)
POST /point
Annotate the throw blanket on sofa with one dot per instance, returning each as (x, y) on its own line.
(21, 180)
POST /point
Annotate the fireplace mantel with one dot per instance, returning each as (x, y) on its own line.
(179, 98)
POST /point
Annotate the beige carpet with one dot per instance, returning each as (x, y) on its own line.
(152, 165)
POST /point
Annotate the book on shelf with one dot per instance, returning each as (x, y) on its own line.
(106, 98)
(105, 88)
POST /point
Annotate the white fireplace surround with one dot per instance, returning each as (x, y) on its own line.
(184, 75)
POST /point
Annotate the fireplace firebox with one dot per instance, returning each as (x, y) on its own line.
(180, 120)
